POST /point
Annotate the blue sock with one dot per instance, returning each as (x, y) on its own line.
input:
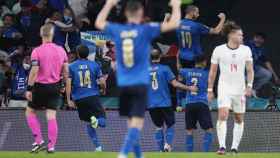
(132, 136)
(169, 135)
(160, 139)
(101, 122)
(207, 141)
(189, 143)
(137, 149)
(93, 136)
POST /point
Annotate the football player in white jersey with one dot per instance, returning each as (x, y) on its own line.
(233, 60)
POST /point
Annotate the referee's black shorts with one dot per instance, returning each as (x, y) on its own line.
(46, 96)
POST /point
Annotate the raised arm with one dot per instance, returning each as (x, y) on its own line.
(219, 27)
(101, 19)
(174, 21)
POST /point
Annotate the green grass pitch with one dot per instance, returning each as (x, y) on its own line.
(147, 155)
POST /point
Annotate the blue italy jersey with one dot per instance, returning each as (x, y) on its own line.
(133, 51)
(198, 77)
(188, 34)
(19, 82)
(84, 75)
(159, 94)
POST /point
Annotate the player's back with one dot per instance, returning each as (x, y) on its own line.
(132, 43)
(196, 77)
(84, 75)
(188, 34)
(159, 93)
(50, 58)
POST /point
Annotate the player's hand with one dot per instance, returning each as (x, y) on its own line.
(222, 16)
(179, 109)
(210, 96)
(28, 95)
(248, 92)
(71, 104)
(167, 17)
(103, 91)
(193, 89)
(175, 3)
(112, 2)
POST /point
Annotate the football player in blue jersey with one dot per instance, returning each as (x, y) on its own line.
(197, 109)
(160, 106)
(82, 87)
(132, 40)
(189, 35)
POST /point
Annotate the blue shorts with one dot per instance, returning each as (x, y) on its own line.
(88, 107)
(161, 116)
(198, 112)
(133, 101)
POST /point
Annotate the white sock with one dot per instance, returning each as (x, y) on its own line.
(237, 135)
(222, 133)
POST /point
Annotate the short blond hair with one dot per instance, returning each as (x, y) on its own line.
(47, 30)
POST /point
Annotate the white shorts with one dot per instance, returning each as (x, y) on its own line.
(235, 102)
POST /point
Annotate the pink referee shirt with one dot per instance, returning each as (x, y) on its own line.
(50, 59)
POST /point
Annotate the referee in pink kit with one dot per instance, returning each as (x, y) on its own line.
(49, 63)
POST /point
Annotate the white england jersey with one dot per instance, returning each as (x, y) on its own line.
(232, 64)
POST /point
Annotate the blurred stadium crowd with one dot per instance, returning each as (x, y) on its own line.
(20, 22)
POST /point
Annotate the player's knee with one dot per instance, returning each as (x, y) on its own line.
(137, 122)
(223, 115)
(102, 122)
(238, 120)
(51, 114)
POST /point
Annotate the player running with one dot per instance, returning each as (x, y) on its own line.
(160, 106)
(132, 53)
(49, 63)
(84, 79)
(197, 109)
(189, 34)
(233, 58)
